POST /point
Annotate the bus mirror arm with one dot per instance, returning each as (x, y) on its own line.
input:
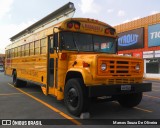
(57, 49)
(55, 40)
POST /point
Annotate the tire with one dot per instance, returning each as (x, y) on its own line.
(76, 96)
(18, 83)
(130, 100)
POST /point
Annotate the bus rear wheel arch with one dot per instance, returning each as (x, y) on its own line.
(17, 82)
(130, 100)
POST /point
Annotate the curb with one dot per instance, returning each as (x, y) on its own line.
(152, 79)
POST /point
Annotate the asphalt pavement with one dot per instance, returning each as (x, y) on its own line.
(31, 104)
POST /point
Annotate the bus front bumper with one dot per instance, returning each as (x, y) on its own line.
(110, 90)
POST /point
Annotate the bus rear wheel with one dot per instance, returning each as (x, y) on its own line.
(18, 83)
(75, 96)
(130, 100)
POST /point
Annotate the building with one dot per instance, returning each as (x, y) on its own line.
(141, 38)
(2, 56)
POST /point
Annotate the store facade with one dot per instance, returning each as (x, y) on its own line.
(141, 38)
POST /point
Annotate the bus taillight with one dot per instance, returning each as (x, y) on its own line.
(109, 31)
(76, 26)
(70, 25)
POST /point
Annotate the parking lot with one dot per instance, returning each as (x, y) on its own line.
(31, 103)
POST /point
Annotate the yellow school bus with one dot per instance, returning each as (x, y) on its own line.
(75, 59)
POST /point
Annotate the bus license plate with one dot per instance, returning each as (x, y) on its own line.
(125, 87)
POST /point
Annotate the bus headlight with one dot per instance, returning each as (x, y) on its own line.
(103, 67)
(137, 67)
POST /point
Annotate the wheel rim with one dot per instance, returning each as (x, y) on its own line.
(72, 97)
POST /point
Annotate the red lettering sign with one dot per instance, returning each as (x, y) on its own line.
(137, 54)
(92, 27)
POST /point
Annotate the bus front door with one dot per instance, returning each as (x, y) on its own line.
(52, 66)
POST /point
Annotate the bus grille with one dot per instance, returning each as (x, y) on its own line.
(123, 80)
(119, 68)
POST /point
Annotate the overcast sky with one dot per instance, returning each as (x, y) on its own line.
(16, 15)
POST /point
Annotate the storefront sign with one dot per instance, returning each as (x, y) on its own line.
(137, 54)
(157, 53)
(127, 54)
(148, 54)
(154, 35)
(132, 39)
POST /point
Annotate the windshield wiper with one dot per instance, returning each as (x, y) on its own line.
(75, 43)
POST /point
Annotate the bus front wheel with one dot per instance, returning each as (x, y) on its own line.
(75, 96)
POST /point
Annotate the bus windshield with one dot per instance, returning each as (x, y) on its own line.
(75, 41)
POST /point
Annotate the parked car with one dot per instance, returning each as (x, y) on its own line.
(1, 68)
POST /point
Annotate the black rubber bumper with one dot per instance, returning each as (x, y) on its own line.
(109, 90)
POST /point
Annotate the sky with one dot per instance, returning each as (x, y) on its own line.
(16, 15)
